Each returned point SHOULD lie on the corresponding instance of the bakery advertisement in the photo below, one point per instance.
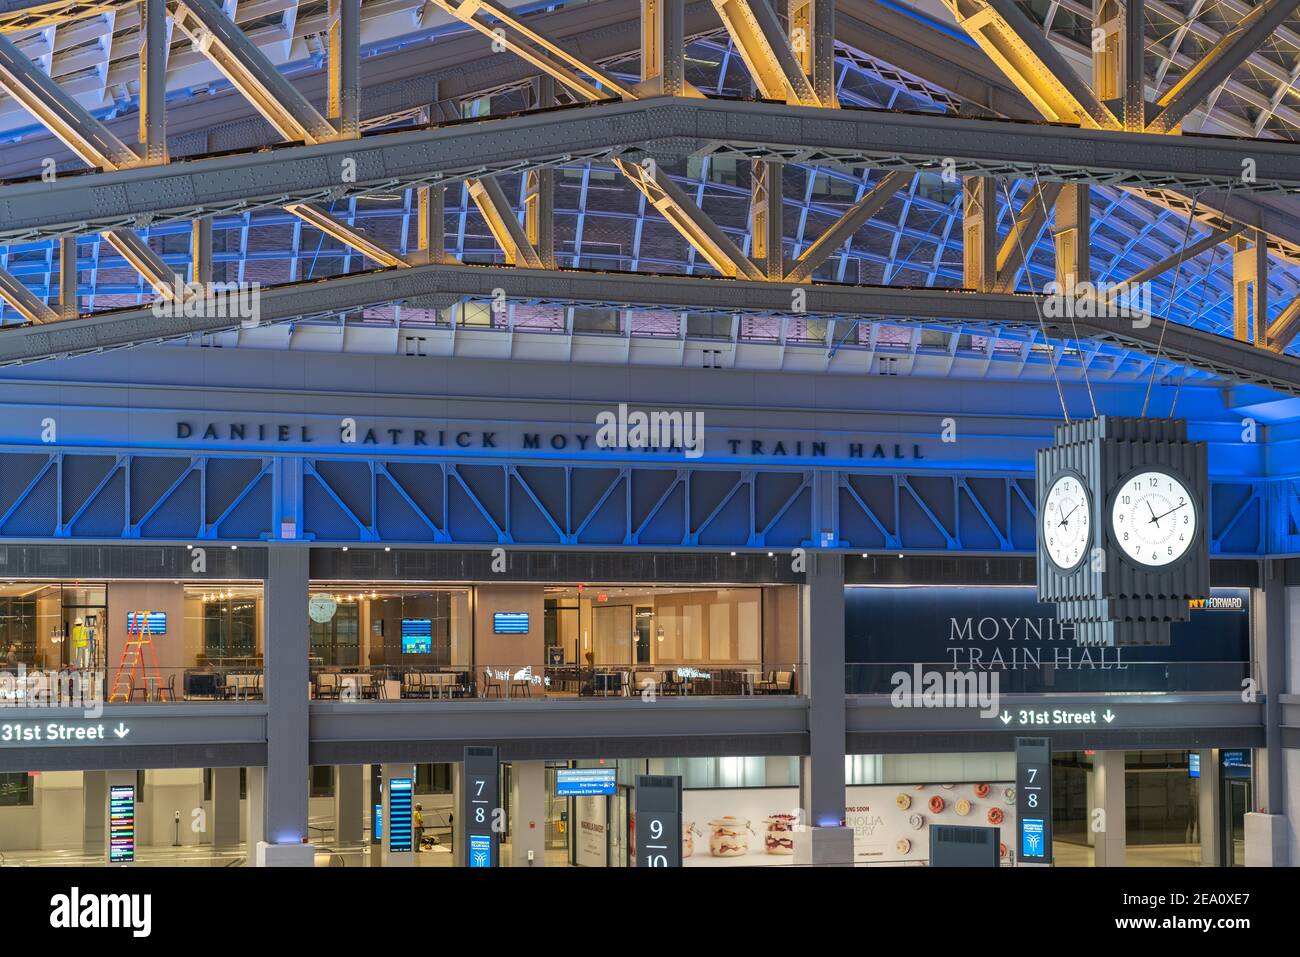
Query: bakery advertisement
(592, 841)
(744, 826)
(891, 821)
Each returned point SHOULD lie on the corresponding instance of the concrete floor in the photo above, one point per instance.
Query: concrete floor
(1143, 855)
(1067, 855)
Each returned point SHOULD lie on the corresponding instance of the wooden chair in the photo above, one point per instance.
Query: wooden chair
(490, 684)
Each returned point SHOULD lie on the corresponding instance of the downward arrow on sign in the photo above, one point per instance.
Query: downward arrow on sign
(1109, 716)
(1006, 717)
(121, 730)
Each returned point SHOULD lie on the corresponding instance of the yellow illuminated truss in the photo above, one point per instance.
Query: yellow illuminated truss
(766, 50)
(346, 235)
(502, 223)
(1030, 61)
(688, 219)
(528, 44)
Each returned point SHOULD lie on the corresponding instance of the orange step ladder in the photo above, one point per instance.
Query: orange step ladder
(138, 638)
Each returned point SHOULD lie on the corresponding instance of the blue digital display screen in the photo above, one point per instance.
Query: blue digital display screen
(510, 623)
(1031, 837)
(417, 636)
(1193, 765)
(121, 825)
(480, 850)
(577, 782)
(155, 622)
(379, 822)
(399, 816)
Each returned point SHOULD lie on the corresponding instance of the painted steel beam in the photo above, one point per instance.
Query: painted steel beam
(21, 300)
(689, 220)
(663, 48)
(346, 235)
(153, 79)
(950, 64)
(1029, 222)
(1195, 249)
(32, 88)
(1212, 353)
(766, 217)
(501, 221)
(545, 54)
(1073, 236)
(201, 249)
(539, 189)
(146, 262)
(1250, 290)
(812, 37)
(460, 65)
(853, 219)
(849, 138)
(68, 305)
(431, 238)
(1213, 68)
(345, 66)
(1028, 58)
(244, 64)
(1284, 327)
(979, 210)
(1117, 73)
(765, 48)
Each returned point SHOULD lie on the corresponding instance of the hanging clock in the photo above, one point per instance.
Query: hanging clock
(1066, 520)
(1145, 484)
(1154, 518)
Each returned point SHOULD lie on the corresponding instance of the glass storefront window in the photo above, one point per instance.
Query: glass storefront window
(16, 790)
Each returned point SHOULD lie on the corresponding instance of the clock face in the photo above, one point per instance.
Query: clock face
(1154, 518)
(1067, 522)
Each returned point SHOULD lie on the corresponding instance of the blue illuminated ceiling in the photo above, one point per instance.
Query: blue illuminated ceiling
(602, 223)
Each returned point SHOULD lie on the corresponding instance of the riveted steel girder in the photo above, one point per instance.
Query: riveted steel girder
(438, 154)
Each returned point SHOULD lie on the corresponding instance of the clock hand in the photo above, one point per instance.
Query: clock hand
(1157, 518)
(1066, 519)
(1153, 515)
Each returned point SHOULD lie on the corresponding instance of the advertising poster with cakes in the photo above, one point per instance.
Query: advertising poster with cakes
(746, 827)
(891, 821)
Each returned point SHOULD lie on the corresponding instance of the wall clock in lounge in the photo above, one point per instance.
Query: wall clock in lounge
(1143, 487)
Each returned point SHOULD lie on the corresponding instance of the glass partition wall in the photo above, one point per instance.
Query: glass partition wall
(129, 641)
(528, 640)
(389, 642)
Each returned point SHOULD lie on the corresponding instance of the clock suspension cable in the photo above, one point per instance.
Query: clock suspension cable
(1074, 330)
(1011, 211)
(1205, 295)
(1173, 292)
